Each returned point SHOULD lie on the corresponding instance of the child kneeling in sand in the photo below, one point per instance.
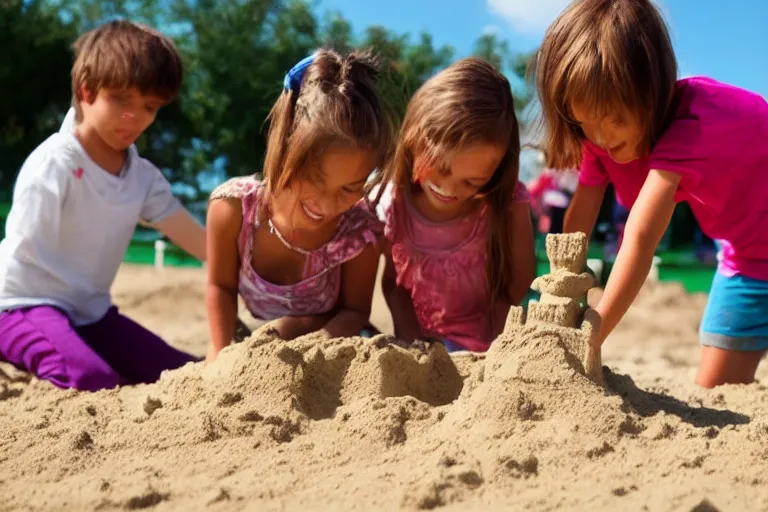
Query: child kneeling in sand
(607, 79)
(77, 200)
(300, 246)
(460, 245)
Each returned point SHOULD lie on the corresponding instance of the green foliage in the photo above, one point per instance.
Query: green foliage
(235, 53)
(34, 80)
(497, 52)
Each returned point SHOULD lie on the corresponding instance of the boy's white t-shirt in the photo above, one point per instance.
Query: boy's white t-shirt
(70, 225)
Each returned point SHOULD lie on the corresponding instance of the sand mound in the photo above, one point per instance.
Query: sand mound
(366, 424)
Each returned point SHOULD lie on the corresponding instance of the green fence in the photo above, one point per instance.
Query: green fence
(4, 209)
(677, 264)
(143, 253)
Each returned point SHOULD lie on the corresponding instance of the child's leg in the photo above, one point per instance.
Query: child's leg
(720, 366)
(734, 331)
(42, 341)
(134, 352)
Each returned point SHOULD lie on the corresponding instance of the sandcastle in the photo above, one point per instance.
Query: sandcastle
(359, 424)
(562, 302)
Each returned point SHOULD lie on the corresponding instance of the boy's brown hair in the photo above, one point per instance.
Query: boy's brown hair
(468, 102)
(604, 55)
(336, 102)
(122, 54)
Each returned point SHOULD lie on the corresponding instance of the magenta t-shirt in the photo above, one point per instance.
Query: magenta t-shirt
(718, 143)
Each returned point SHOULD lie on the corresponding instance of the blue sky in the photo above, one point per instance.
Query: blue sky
(726, 40)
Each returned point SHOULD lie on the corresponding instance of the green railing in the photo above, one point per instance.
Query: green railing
(142, 252)
(677, 264)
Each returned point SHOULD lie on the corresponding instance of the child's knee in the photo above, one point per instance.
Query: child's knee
(727, 366)
(97, 378)
(94, 376)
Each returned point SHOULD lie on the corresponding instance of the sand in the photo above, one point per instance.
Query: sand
(364, 424)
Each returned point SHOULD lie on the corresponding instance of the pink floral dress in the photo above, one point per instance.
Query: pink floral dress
(318, 291)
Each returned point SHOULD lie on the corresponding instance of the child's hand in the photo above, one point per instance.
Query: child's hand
(291, 327)
(418, 344)
(186, 232)
(593, 297)
(211, 355)
(591, 324)
(592, 361)
(409, 334)
(587, 269)
(593, 294)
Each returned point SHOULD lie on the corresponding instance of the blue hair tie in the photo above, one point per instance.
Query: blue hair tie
(292, 79)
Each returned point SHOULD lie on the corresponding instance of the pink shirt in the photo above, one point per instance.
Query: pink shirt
(443, 266)
(318, 291)
(718, 143)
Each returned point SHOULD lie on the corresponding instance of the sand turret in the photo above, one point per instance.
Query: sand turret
(563, 302)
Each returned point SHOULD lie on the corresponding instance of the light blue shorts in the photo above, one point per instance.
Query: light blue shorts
(450, 346)
(736, 317)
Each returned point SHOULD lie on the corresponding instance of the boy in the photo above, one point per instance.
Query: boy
(76, 203)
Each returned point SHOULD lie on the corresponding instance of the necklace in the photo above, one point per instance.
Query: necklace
(286, 243)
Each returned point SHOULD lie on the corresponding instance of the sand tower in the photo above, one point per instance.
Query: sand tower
(562, 305)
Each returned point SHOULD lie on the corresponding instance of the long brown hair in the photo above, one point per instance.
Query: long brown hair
(337, 101)
(468, 102)
(605, 55)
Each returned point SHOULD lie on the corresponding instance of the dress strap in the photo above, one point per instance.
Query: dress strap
(249, 191)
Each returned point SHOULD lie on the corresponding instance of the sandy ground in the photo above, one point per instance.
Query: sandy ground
(360, 424)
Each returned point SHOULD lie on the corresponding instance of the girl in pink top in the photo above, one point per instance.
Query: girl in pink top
(606, 75)
(300, 246)
(458, 228)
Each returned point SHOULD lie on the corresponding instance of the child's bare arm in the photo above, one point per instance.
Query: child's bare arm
(523, 261)
(399, 301)
(358, 279)
(647, 222)
(184, 230)
(162, 211)
(524, 257)
(290, 327)
(224, 221)
(584, 208)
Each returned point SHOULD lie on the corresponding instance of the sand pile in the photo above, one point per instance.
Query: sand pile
(365, 424)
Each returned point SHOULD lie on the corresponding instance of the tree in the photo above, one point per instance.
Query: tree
(226, 100)
(235, 53)
(404, 67)
(34, 80)
(497, 52)
(337, 32)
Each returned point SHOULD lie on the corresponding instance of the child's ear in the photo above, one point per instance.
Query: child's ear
(85, 94)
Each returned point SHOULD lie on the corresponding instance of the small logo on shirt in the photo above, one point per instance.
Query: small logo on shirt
(78, 172)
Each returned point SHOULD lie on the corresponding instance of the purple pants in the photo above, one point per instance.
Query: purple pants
(113, 351)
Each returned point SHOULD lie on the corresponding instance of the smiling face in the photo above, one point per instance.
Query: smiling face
(450, 184)
(337, 179)
(620, 133)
